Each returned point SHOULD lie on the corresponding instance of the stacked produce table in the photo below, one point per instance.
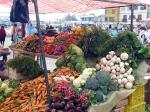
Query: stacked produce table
(77, 86)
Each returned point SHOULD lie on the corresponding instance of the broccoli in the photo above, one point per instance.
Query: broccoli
(104, 89)
(113, 86)
(103, 78)
(100, 96)
(92, 84)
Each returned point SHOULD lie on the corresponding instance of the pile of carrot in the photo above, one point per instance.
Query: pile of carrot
(30, 96)
(66, 71)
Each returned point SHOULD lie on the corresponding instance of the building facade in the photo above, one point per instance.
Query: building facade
(140, 12)
(112, 15)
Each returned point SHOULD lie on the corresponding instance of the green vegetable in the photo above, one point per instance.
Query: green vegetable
(92, 41)
(100, 97)
(92, 98)
(103, 78)
(26, 66)
(92, 84)
(72, 58)
(60, 62)
(74, 50)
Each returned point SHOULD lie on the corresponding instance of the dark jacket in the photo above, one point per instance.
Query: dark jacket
(19, 11)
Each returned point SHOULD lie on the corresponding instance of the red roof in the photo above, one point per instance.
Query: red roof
(48, 6)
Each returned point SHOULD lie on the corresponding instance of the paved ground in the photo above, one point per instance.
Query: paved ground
(49, 61)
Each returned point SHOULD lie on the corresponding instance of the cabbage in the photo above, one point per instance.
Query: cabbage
(4, 86)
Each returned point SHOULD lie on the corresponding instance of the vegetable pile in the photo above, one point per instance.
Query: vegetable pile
(119, 69)
(100, 83)
(32, 96)
(29, 96)
(30, 37)
(65, 74)
(92, 41)
(81, 80)
(73, 58)
(129, 43)
(69, 100)
(26, 66)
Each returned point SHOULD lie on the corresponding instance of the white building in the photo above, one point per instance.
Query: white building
(140, 13)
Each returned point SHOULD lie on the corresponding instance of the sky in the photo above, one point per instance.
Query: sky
(52, 16)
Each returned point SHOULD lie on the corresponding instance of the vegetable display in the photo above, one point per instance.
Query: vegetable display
(29, 96)
(129, 43)
(69, 101)
(92, 41)
(73, 58)
(65, 74)
(119, 69)
(81, 80)
(26, 66)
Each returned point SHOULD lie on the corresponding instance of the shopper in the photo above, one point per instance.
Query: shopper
(2, 35)
(144, 36)
(15, 33)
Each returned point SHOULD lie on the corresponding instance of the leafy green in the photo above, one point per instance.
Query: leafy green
(26, 66)
(92, 41)
(92, 99)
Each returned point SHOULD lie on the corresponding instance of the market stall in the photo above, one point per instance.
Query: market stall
(76, 85)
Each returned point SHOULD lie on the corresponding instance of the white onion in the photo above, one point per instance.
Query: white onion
(124, 80)
(122, 70)
(119, 81)
(113, 71)
(128, 85)
(112, 53)
(113, 68)
(113, 77)
(118, 60)
(125, 74)
(130, 78)
(120, 76)
(98, 67)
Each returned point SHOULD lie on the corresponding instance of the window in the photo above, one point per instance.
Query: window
(142, 7)
(113, 11)
(122, 8)
(135, 7)
(106, 19)
(133, 17)
(106, 11)
(111, 19)
(139, 17)
(124, 18)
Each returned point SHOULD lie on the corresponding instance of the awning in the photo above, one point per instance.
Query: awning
(74, 6)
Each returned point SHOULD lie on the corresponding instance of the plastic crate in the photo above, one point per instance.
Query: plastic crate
(136, 108)
(138, 96)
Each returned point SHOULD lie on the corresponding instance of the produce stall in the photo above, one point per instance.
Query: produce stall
(53, 46)
(77, 86)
